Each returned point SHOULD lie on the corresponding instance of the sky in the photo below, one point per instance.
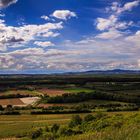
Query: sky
(51, 36)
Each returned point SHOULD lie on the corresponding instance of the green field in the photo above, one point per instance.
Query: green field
(77, 90)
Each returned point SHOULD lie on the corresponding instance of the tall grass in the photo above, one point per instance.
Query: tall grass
(128, 133)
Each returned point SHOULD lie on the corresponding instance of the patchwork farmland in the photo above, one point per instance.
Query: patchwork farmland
(32, 107)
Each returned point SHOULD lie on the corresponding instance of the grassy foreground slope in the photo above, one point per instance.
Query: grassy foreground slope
(117, 127)
(108, 126)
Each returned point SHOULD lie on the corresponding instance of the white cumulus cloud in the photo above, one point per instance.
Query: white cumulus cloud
(63, 14)
(111, 34)
(11, 36)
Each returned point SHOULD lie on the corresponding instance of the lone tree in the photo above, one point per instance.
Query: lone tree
(1, 108)
(9, 108)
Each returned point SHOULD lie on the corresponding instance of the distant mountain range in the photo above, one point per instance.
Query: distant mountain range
(115, 71)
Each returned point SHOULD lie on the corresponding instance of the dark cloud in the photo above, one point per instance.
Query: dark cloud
(11, 40)
(15, 40)
(5, 3)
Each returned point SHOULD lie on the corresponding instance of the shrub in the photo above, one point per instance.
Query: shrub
(47, 129)
(64, 131)
(89, 118)
(55, 128)
(76, 120)
(35, 134)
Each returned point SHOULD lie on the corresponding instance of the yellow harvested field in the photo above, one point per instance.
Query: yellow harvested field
(29, 100)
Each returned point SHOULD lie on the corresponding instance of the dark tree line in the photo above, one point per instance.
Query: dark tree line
(80, 97)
